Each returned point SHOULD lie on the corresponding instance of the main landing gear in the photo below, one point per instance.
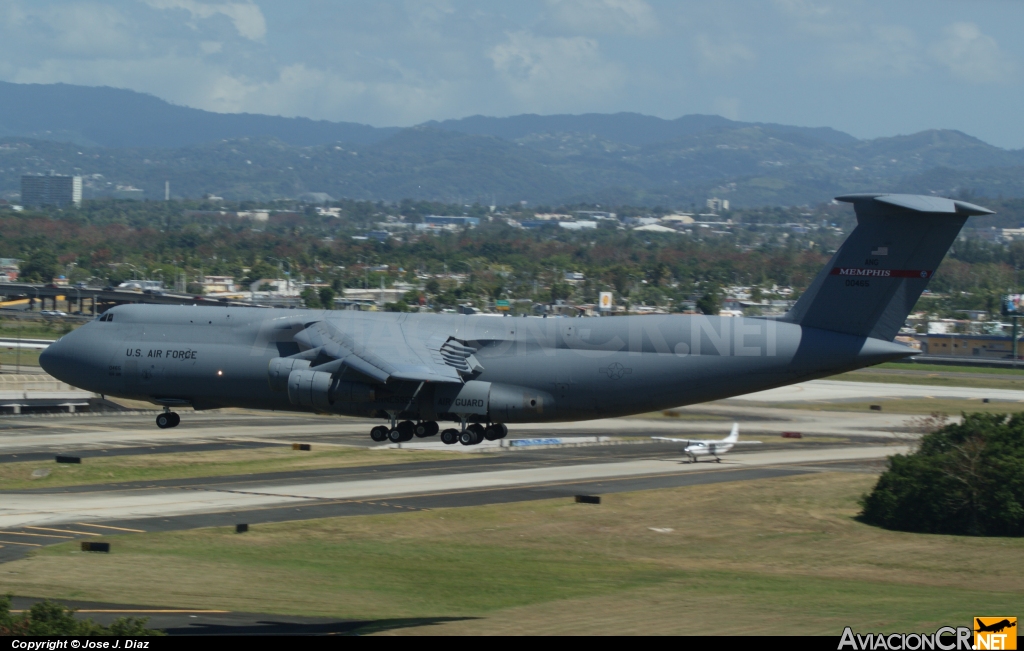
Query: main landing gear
(407, 429)
(167, 420)
(477, 433)
(404, 431)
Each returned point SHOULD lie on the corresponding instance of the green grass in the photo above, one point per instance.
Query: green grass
(939, 368)
(11, 357)
(36, 329)
(934, 379)
(784, 555)
(898, 406)
(151, 467)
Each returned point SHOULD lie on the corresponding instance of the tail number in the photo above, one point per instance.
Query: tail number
(858, 283)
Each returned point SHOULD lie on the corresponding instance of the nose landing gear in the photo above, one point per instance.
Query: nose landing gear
(167, 420)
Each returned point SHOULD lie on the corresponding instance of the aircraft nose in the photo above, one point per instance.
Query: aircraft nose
(48, 359)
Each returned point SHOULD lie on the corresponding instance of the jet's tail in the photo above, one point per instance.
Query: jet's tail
(875, 278)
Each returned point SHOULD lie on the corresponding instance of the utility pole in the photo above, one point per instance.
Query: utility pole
(17, 363)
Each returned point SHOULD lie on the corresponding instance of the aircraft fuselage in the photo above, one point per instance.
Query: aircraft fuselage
(568, 368)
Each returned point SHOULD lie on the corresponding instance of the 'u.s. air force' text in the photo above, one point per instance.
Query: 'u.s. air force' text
(159, 353)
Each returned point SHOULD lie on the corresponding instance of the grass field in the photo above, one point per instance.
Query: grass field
(11, 357)
(938, 376)
(910, 406)
(104, 470)
(780, 556)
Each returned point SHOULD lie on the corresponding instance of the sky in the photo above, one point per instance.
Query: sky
(878, 68)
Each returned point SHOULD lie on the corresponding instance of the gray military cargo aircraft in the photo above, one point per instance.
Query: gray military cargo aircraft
(481, 373)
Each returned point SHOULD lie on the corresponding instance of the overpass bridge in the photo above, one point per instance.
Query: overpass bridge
(93, 301)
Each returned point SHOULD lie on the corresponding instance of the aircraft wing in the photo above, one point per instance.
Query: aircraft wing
(385, 353)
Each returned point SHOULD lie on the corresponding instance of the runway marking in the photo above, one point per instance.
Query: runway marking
(225, 490)
(81, 533)
(11, 542)
(101, 526)
(35, 535)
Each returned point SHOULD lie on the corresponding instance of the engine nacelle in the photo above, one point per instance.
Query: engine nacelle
(501, 403)
(281, 368)
(514, 404)
(311, 388)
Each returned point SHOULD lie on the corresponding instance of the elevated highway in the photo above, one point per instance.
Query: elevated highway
(90, 301)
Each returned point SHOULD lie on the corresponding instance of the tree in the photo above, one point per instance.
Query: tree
(710, 303)
(326, 298)
(965, 478)
(310, 298)
(47, 618)
(40, 267)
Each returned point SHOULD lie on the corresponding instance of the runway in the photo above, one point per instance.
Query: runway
(105, 504)
(472, 476)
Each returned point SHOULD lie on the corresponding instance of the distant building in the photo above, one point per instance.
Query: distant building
(992, 346)
(655, 228)
(578, 225)
(276, 285)
(682, 218)
(596, 214)
(218, 284)
(441, 220)
(315, 197)
(718, 205)
(9, 270)
(129, 192)
(51, 190)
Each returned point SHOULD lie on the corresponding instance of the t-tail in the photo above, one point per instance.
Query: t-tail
(873, 281)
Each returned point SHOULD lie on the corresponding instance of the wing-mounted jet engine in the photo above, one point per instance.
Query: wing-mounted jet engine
(405, 381)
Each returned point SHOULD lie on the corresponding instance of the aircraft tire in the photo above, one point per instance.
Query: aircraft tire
(473, 435)
(450, 436)
(427, 428)
(495, 432)
(175, 419)
(379, 434)
(400, 434)
(163, 421)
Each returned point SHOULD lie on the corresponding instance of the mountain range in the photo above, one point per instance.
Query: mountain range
(115, 137)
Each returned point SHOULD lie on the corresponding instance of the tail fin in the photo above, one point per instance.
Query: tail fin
(734, 435)
(875, 278)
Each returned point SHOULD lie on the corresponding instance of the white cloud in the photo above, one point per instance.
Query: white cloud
(246, 16)
(83, 29)
(888, 51)
(717, 55)
(560, 71)
(971, 55)
(631, 17)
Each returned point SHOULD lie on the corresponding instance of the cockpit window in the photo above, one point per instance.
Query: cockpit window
(107, 317)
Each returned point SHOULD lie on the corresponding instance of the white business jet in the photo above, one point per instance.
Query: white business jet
(701, 447)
